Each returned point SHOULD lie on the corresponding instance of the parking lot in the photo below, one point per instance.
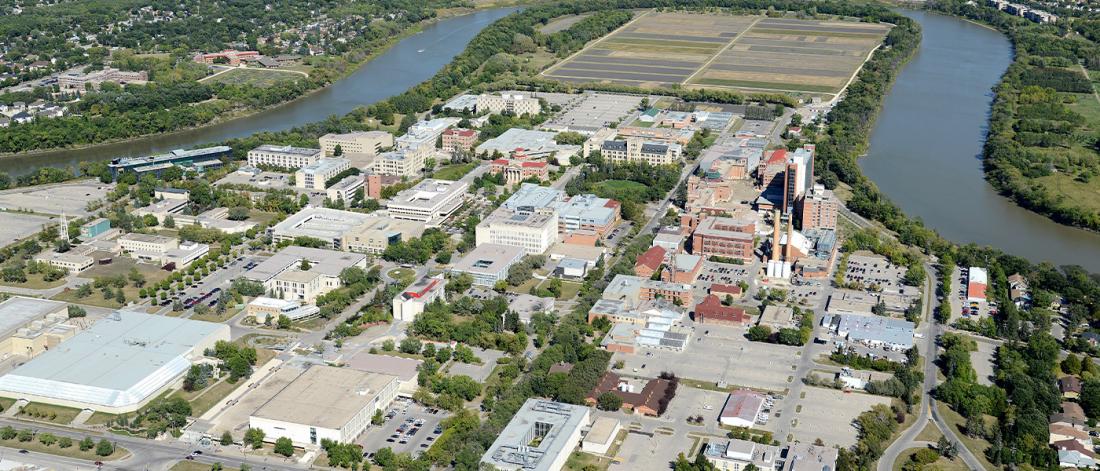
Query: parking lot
(961, 308)
(18, 226)
(592, 111)
(645, 452)
(982, 360)
(409, 428)
(478, 372)
(724, 273)
(68, 198)
(757, 127)
(828, 414)
(732, 359)
(869, 269)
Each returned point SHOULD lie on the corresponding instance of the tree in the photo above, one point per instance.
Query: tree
(227, 438)
(378, 418)
(64, 442)
(104, 448)
(284, 446)
(759, 333)
(609, 401)
(25, 435)
(338, 150)
(254, 437)
(47, 438)
(410, 345)
(169, 222)
(76, 311)
(947, 448)
(387, 346)
(1071, 365)
(87, 444)
(284, 322)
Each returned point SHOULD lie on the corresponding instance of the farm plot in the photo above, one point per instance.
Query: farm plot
(656, 49)
(261, 78)
(793, 55)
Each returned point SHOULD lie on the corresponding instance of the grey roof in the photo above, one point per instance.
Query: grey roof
(119, 361)
(614, 145)
(321, 223)
(532, 196)
(489, 258)
(538, 433)
(405, 369)
(324, 262)
(653, 148)
(18, 311)
(325, 396)
(882, 329)
(287, 150)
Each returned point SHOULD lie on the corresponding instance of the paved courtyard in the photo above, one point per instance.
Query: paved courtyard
(18, 226)
(68, 198)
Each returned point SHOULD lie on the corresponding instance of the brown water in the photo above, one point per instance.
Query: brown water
(409, 62)
(926, 148)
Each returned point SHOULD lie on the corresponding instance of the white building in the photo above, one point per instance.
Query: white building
(356, 143)
(264, 309)
(117, 365)
(639, 150)
(430, 201)
(514, 103)
(71, 261)
(345, 189)
(421, 137)
(283, 156)
(489, 263)
(742, 408)
(535, 231)
(286, 277)
(147, 246)
(736, 455)
(314, 176)
(411, 302)
(540, 437)
(601, 436)
(324, 402)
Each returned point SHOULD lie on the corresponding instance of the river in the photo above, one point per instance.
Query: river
(409, 62)
(925, 151)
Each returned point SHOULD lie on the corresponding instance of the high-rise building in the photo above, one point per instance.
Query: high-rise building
(819, 209)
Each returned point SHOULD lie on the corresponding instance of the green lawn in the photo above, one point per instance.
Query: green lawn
(453, 172)
(35, 281)
(6, 403)
(402, 274)
(622, 190)
(204, 400)
(977, 446)
(569, 290)
(71, 452)
(943, 464)
(49, 413)
(526, 286)
(262, 78)
(100, 418)
(120, 266)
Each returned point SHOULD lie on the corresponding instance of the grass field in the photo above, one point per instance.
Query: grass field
(70, 452)
(100, 418)
(204, 400)
(256, 77)
(943, 464)
(977, 446)
(453, 172)
(49, 413)
(35, 281)
(1072, 160)
(726, 51)
(620, 190)
(120, 267)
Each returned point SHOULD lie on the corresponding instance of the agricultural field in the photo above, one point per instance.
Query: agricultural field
(736, 52)
(794, 55)
(262, 78)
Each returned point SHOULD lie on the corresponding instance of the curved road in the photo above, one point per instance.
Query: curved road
(927, 411)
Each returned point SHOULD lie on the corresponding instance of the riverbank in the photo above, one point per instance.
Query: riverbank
(442, 15)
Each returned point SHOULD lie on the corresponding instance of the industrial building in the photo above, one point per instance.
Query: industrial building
(283, 156)
(285, 277)
(315, 176)
(533, 144)
(535, 231)
(724, 237)
(406, 370)
(346, 230)
(117, 365)
(411, 302)
(324, 402)
(364, 143)
(657, 330)
(198, 160)
(489, 263)
(540, 437)
(30, 326)
(873, 331)
(430, 201)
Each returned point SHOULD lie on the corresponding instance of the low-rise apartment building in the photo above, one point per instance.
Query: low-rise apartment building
(513, 103)
(637, 150)
(283, 156)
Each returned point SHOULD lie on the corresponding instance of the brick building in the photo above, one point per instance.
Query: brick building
(724, 237)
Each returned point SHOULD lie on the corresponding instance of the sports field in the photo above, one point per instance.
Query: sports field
(726, 51)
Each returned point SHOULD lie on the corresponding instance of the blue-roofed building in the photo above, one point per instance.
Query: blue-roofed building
(199, 160)
(94, 228)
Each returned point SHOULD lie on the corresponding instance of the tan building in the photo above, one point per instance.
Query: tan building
(30, 326)
(147, 246)
(360, 143)
(535, 232)
(514, 103)
(377, 233)
(400, 163)
(638, 150)
(71, 261)
(285, 276)
(316, 175)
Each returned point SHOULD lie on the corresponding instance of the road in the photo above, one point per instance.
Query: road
(927, 410)
(146, 454)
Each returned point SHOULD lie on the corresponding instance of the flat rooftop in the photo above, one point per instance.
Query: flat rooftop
(538, 433)
(405, 369)
(321, 223)
(489, 258)
(287, 150)
(324, 262)
(120, 360)
(324, 396)
(530, 195)
(428, 194)
(17, 311)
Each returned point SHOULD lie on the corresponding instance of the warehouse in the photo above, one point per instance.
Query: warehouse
(324, 402)
(118, 365)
